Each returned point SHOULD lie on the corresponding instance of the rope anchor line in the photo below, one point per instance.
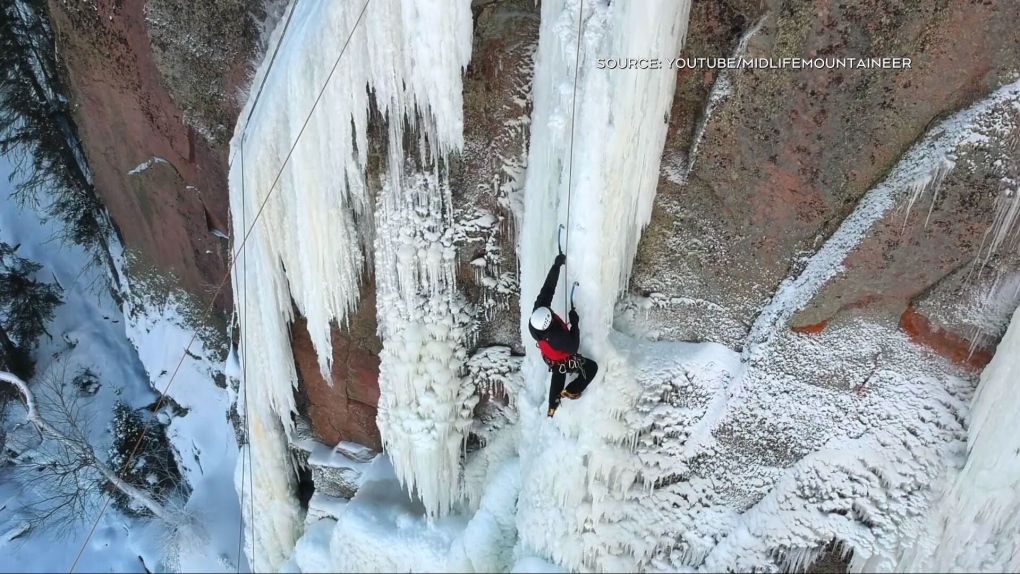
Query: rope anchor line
(570, 160)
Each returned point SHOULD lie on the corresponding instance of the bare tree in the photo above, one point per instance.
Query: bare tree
(66, 472)
(69, 476)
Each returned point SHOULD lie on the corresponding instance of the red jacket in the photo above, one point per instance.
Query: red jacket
(558, 342)
(550, 352)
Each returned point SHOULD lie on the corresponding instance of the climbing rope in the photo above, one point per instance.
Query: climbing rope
(244, 335)
(570, 159)
(226, 275)
(244, 374)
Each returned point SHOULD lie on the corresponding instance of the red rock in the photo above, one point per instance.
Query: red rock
(360, 426)
(949, 345)
(811, 329)
(344, 410)
(125, 117)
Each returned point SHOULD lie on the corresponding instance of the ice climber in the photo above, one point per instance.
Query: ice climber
(559, 343)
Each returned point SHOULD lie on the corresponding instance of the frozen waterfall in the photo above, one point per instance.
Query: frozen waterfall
(575, 473)
(314, 235)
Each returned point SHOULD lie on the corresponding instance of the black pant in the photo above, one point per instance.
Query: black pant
(585, 371)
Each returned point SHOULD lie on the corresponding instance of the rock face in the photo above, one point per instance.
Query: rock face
(333, 471)
(486, 179)
(683, 249)
(935, 259)
(163, 182)
(203, 68)
(786, 155)
(346, 409)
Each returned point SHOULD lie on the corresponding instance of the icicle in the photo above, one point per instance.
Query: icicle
(309, 247)
(1007, 212)
(933, 182)
(424, 405)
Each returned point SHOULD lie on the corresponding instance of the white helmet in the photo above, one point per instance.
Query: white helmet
(541, 318)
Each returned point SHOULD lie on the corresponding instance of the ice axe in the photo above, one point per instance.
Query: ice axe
(559, 238)
(572, 287)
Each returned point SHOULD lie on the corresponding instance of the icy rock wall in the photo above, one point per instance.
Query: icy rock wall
(309, 248)
(574, 472)
(913, 423)
(920, 171)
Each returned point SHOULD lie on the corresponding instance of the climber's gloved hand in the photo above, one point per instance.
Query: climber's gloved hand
(572, 315)
(561, 259)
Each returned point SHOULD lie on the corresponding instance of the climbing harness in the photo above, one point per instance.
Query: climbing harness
(568, 365)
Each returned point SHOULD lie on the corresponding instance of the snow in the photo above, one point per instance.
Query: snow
(311, 554)
(172, 347)
(131, 350)
(324, 506)
(89, 331)
(91, 321)
(383, 530)
(14, 533)
(866, 493)
(147, 164)
(700, 480)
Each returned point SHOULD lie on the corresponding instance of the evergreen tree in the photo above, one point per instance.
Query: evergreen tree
(26, 306)
(153, 468)
(37, 129)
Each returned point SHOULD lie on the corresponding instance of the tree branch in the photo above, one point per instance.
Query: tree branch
(84, 452)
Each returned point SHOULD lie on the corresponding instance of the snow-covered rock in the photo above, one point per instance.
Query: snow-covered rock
(336, 472)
